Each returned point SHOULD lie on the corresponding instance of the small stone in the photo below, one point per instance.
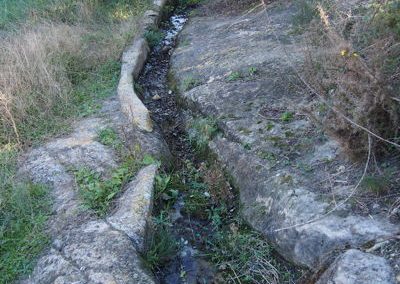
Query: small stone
(398, 278)
(169, 92)
(156, 98)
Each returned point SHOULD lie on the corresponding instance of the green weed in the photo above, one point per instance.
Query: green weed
(153, 37)
(161, 247)
(378, 184)
(252, 71)
(163, 189)
(242, 254)
(109, 137)
(24, 210)
(200, 132)
(97, 193)
(287, 116)
(190, 83)
(306, 12)
(234, 76)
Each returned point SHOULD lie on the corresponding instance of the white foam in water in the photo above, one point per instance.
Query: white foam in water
(177, 22)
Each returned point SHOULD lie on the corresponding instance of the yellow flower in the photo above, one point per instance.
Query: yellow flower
(355, 54)
(343, 52)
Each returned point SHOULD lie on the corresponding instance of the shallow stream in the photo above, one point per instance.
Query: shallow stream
(194, 235)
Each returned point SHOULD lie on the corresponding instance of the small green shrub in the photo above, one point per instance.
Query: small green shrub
(287, 116)
(200, 132)
(306, 12)
(378, 184)
(388, 16)
(109, 137)
(252, 71)
(97, 193)
(244, 255)
(197, 200)
(163, 189)
(234, 76)
(154, 37)
(190, 83)
(162, 246)
(352, 63)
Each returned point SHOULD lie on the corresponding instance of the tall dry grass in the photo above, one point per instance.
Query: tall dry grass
(43, 59)
(30, 81)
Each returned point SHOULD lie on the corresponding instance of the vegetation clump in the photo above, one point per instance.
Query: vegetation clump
(200, 132)
(97, 193)
(353, 67)
(24, 210)
(153, 37)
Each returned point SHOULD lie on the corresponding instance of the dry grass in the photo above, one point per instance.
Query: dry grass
(60, 45)
(29, 79)
(352, 62)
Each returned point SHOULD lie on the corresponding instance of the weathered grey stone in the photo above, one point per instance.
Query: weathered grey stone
(134, 207)
(160, 3)
(91, 253)
(271, 204)
(54, 268)
(356, 267)
(133, 60)
(86, 250)
(150, 19)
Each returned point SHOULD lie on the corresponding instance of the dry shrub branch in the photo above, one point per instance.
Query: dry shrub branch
(352, 62)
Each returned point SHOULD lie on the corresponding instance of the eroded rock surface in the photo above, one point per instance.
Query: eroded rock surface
(356, 267)
(238, 70)
(86, 249)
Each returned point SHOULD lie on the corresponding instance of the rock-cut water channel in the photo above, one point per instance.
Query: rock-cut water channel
(191, 263)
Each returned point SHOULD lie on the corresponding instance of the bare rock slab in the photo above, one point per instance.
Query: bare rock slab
(91, 253)
(356, 267)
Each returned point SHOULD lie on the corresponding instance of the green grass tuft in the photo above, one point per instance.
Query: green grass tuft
(201, 131)
(24, 210)
(153, 37)
(98, 193)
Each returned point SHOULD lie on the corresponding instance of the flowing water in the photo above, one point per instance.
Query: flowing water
(189, 265)
(195, 235)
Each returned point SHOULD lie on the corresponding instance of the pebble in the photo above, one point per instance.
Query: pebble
(156, 98)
